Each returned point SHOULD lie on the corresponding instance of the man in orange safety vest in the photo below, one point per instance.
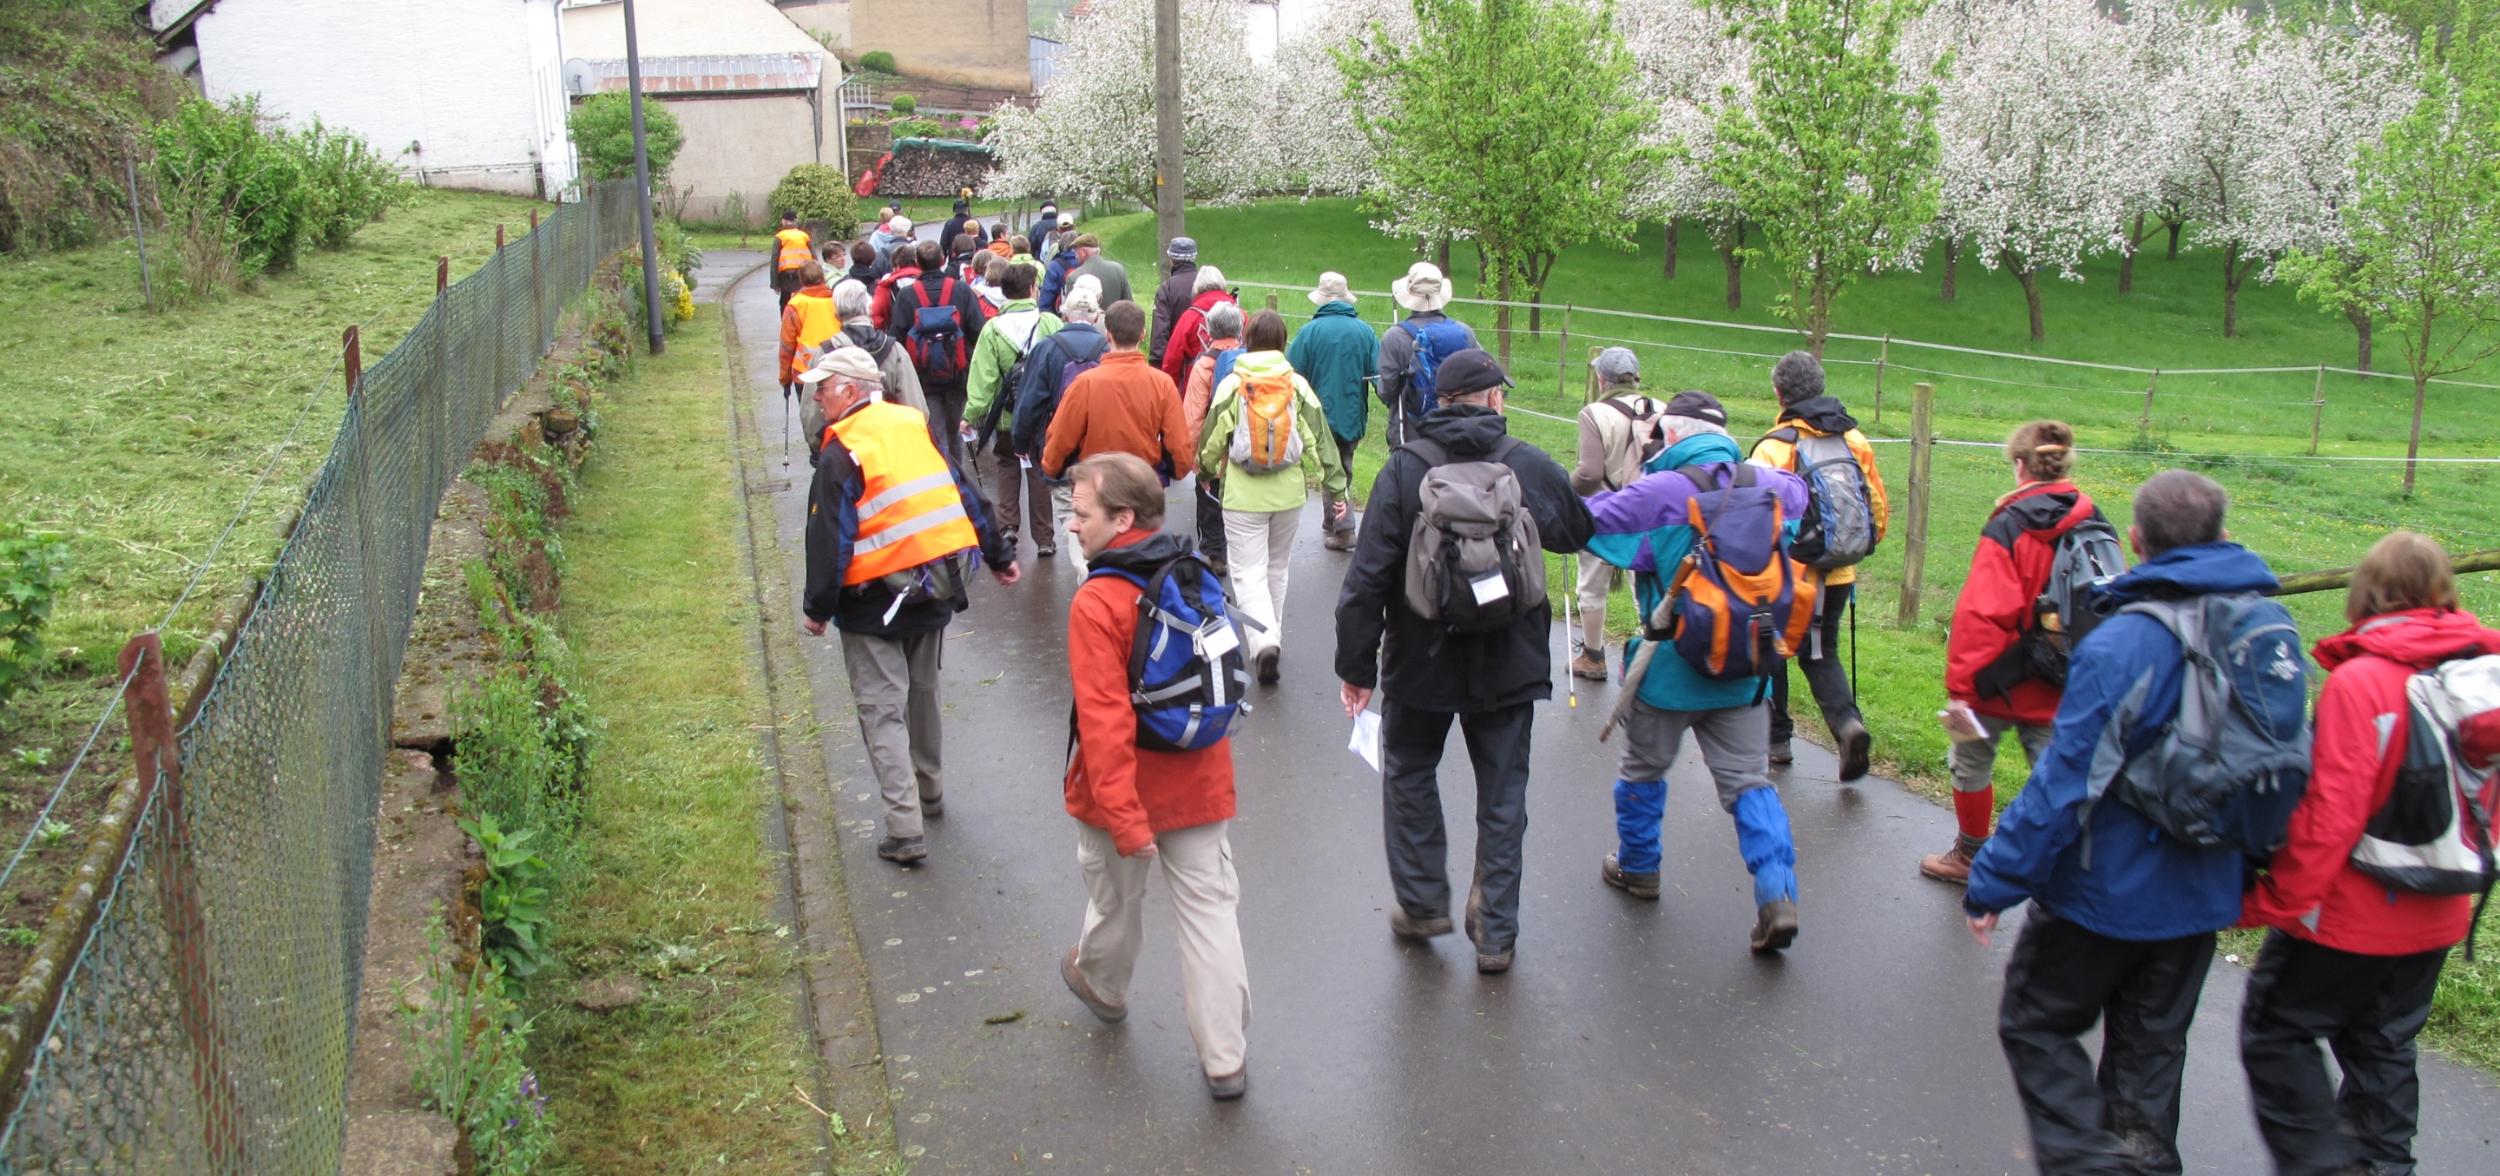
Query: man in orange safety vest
(791, 249)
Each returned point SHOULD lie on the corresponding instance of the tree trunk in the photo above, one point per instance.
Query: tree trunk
(1729, 240)
(1669, 253)
(2413, 445)
(1501, 314)
(1441, 257)
(2126, 258)
(2231, 290)
(2028, 274)
(2174, 226)
(1818, 315)
(1952, 267)
(2360, 319)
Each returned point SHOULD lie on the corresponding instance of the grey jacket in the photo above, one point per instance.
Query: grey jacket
(1112, 275)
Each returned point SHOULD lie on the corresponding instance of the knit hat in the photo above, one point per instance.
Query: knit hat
(1181, 249)
(1423, 288)
(1468, 372)
(1617, 365)
(848, 362)
(1331, 288)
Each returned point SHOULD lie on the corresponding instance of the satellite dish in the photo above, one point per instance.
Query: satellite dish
(578, 77)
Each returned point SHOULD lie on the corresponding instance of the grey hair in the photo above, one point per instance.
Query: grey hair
(1209, 278)
(1224, 321)
(850, 299)
(2179, 508)
(1797, 376)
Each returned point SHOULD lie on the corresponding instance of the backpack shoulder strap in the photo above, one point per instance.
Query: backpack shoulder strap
(1429, 450)
(945, 293)
(1785, 434)
(1501, 453)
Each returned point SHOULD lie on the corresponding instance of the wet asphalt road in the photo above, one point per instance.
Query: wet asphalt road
(1631, 1038)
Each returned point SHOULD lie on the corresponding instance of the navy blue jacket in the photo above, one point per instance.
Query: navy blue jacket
(2126, 879)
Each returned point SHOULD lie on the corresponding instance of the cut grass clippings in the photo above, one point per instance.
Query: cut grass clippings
(2300, 515)
(679, 889)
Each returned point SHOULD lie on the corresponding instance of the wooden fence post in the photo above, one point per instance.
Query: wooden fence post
(443, 384)
(1562, 355)
(1914, 542)
(2317, 409)
(1883, 355)
(538, 291)
(2144, 421)
(1271, 300)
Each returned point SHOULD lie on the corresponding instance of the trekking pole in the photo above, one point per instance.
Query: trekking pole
(785, 424)
(1571, 674)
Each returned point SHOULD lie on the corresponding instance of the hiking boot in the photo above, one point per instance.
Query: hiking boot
(1418, 930)
(1775, 926)
(903, 851)
(1227, 1087)
(1103, 1010)
(1953, 865)
(1636, 885)
(1850, 733)
(1044, 550)
(1489, 963)
(1267, 665)
(1008, 535)
(1590, 666)
(934, 806)
(1780, 756)
(1339, 541)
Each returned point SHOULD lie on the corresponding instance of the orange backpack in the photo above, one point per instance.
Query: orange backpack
(1264, 439)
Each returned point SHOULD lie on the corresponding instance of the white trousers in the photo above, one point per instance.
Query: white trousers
(1197, 863)
(1258, 551)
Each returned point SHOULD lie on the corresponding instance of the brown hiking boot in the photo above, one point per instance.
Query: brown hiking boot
(1414, 928)
(1339, 541)
(1590, 666)
(1641, 885)
(1953, 865)
(1774, 926)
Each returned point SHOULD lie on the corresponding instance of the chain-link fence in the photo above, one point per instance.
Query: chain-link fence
(205, 1022)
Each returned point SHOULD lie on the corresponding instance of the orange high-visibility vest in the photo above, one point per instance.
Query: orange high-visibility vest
(817, 323)
(909, 510)
(794, 249)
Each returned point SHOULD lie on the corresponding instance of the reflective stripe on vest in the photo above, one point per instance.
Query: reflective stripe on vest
(910, 512)
(817, 323)
(794, 245)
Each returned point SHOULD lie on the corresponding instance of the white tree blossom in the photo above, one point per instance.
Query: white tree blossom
(1693, 70)
(2044, 137)
(1091, 133)
(1312, 134)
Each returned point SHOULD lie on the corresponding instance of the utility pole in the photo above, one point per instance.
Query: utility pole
(642, 189)
(1169, 219)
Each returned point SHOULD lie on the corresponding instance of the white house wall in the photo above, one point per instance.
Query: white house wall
(460, 93)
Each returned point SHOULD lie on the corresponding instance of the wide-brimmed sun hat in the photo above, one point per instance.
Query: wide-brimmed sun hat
(1423, 288)
(1331, 288)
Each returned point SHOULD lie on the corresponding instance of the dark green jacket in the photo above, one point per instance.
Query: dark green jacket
(1336, 351)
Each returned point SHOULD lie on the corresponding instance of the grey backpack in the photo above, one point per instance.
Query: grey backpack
(1838, 528)
(1473, 561)
(2086, 556)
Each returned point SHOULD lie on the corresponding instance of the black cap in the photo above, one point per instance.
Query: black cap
(1698, 405)
(1468, 372)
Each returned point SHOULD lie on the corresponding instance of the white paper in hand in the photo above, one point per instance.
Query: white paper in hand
(1490, 589)
(1366, 740)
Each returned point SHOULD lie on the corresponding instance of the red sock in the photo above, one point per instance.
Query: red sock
(1973, 810)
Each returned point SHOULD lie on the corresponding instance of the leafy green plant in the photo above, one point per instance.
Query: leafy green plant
(877, 61)
(512, 901)
(21, 936)
(905, 104)
(52, 833)
(230, 181)
(918, 128)
(30, 572)
(818, 192)
(466, 1039)
(603, 131)
(348, 185)
(506, 765)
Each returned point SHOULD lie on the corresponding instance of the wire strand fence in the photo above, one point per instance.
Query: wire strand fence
(193, 1004)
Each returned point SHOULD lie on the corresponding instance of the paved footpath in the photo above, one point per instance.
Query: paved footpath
(1632, 1037)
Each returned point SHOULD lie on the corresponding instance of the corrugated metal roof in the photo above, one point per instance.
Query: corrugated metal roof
(714, 73)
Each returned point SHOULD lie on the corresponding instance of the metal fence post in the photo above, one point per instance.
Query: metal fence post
(1914, 543)
(2317, 409)
(1883, 355)
(502, 319)
(139, 232)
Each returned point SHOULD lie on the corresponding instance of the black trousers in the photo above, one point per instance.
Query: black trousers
(1827, 673)
(2124, 1119)
(1210, 495)
(2368, 1009)
(1419, 845)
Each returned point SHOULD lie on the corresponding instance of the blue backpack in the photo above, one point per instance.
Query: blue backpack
(1434, 341)
(936, 337)
(2230, 767)
(1186, 675)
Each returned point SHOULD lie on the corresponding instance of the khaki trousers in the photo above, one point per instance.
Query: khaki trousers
(1258, 546)
(1197, 863)
(894, 685)
(1597, 579)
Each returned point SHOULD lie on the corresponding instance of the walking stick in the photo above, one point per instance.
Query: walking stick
(1571, 674)
(785, 424)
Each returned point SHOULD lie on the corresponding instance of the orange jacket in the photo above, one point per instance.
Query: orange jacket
(807, 321)
(1112, 784)
(1123, 406)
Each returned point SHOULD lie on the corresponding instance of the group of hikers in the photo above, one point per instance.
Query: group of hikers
(2179, 784)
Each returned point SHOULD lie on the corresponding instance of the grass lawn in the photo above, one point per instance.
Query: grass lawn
(2300, 515)
(678, 888)
(134, 435)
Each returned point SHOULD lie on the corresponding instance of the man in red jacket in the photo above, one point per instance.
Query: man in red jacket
(1985, 669)
(1136, 806)
(2353, 959)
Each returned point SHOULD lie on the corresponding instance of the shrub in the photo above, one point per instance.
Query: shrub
(230, 184)
(30, 568)
(348, 184)
(818, 192)
(919, 128)
(877, 61)
(465, 1042)
(603, 131)
(81, 86)
(905, 104)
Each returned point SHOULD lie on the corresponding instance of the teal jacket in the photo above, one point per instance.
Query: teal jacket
(1338, 353)
(1642, 528)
